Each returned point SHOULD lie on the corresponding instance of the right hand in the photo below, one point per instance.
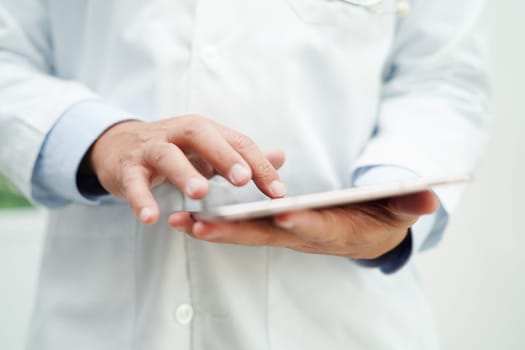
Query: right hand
(132, 157)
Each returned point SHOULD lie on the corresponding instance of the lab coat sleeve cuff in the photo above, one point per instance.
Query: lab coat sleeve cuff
(54, 179)
(425, 233)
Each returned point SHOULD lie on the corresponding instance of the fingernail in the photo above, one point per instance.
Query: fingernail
(239, 173)
(277, 188)
(145, 214)
(194, 185)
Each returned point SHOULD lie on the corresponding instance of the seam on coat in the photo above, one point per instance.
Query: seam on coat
(192, 340)
(137, 234)
(268, 254)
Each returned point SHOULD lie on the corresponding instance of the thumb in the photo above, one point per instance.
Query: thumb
(415, 204)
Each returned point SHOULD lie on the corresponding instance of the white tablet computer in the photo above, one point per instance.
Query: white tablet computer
(270, 207)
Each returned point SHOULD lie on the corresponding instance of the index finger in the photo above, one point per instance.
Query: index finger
(264, 174)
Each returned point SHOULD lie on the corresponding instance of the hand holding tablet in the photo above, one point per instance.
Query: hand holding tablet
(334, 226)
(271, 207)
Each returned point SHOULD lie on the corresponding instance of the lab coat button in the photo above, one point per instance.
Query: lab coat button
(210, 53)
(184, 314)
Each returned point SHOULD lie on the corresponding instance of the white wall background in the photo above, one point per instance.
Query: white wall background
(475, 279)
(21, 238)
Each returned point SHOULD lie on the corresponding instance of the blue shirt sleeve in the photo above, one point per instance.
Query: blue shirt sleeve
(425, 233)
(54, 179)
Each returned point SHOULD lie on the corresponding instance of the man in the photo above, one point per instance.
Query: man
(116, 114)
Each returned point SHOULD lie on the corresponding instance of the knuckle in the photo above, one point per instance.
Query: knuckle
(190, 130)
(159, 152)
(193, 125)
(160, 134)
(242, 142)
(263, 170)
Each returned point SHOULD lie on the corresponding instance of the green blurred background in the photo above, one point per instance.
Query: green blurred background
(9, 196)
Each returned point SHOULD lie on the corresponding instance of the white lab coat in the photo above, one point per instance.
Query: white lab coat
(334, 86)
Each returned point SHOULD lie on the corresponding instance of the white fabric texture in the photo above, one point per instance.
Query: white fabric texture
(334, 86)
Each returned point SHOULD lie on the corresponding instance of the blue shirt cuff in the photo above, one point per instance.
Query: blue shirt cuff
(54, 178)
(393, 260)
(425, 233)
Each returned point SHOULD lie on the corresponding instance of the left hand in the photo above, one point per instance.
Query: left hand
(360, 231)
